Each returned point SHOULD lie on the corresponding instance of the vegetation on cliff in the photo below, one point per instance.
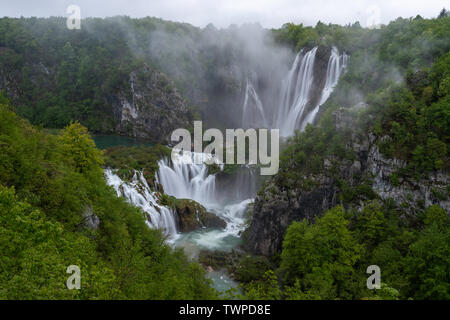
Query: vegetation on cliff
(401, 73)
(327, 259)
(49, 186)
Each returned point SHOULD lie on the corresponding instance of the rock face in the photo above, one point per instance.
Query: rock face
(151, 109)
(192, 216)
(148, 106)
(90, 220)
(425, 192)
(275, 208)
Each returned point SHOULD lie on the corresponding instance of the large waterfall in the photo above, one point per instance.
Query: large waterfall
(183, 178)
(293, 109)
(295, 93)
(138, 192)
(336, 66)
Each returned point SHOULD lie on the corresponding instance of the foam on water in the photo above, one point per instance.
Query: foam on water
(138, 193)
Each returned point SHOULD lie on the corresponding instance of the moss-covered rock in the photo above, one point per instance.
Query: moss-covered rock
(129, 159)
(193, 215)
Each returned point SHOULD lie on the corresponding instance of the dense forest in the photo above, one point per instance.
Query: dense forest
(56, 209)
(407, 117)
(52, 185)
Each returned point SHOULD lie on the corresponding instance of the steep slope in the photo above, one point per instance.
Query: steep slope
(349, 176)
(56, 210)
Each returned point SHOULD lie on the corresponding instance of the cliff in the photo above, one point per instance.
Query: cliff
(369, 174)
(151, 107)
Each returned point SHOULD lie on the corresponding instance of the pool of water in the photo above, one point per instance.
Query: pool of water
(221, 281)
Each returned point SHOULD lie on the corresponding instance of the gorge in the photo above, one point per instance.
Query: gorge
(186, 177)
(88, 173)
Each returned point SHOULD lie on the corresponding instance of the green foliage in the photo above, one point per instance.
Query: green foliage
(322, 256)
(265, 289)
(328, 259)
(48, 186)
(306, 152)
(128, 159)
(251, 268)
(63, 75)
(428, 263)
(78, 148)
(436, 214)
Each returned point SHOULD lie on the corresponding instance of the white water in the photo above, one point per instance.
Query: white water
(139, 193)
(291, 110)
(295, 94)
(185, 179)
(336, 66)
(253, 115)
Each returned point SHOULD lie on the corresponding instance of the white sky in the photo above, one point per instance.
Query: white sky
(269, 13)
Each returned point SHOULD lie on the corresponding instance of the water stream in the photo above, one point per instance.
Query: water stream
(184, 178)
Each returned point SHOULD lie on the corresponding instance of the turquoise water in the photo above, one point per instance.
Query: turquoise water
(221, 281)
(108, 141)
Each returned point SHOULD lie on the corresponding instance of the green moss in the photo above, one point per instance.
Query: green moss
(128, 159)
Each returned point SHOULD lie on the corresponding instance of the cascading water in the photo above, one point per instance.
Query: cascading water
(295, 95)
(138, 193)
(183, 178)
(336, 66)
(253, 115)
(290, 113)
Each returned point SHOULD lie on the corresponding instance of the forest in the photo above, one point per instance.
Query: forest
(55, 92)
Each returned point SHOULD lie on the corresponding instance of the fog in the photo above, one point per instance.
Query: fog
(269, 13)
(212, 66)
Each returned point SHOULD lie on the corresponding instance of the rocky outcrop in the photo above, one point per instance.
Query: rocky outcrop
(410, 193)
(192, 216)
(276, 208)
(150, 108)
(90, 220)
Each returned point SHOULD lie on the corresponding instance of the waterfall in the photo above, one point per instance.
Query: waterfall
(336, 66)
(253, 115)
(138, 193)
(300, 79)
(184, 179)
(295, 95)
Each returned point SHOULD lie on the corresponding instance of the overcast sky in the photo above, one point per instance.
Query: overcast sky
(269, 13)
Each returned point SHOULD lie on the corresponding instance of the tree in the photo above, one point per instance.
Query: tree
(428, 264)
(443, 13)
(79, 149)
(322, 256)
(265, 289)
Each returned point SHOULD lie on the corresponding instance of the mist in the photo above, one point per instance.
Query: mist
(270, 14)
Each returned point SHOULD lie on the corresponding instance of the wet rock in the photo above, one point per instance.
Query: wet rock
(192, 215)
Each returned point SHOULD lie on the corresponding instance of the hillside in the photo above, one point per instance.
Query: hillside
(56, 210)
(364, 165)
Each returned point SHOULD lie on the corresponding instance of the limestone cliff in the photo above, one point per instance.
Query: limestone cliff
(150, 108)
(276, 207)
